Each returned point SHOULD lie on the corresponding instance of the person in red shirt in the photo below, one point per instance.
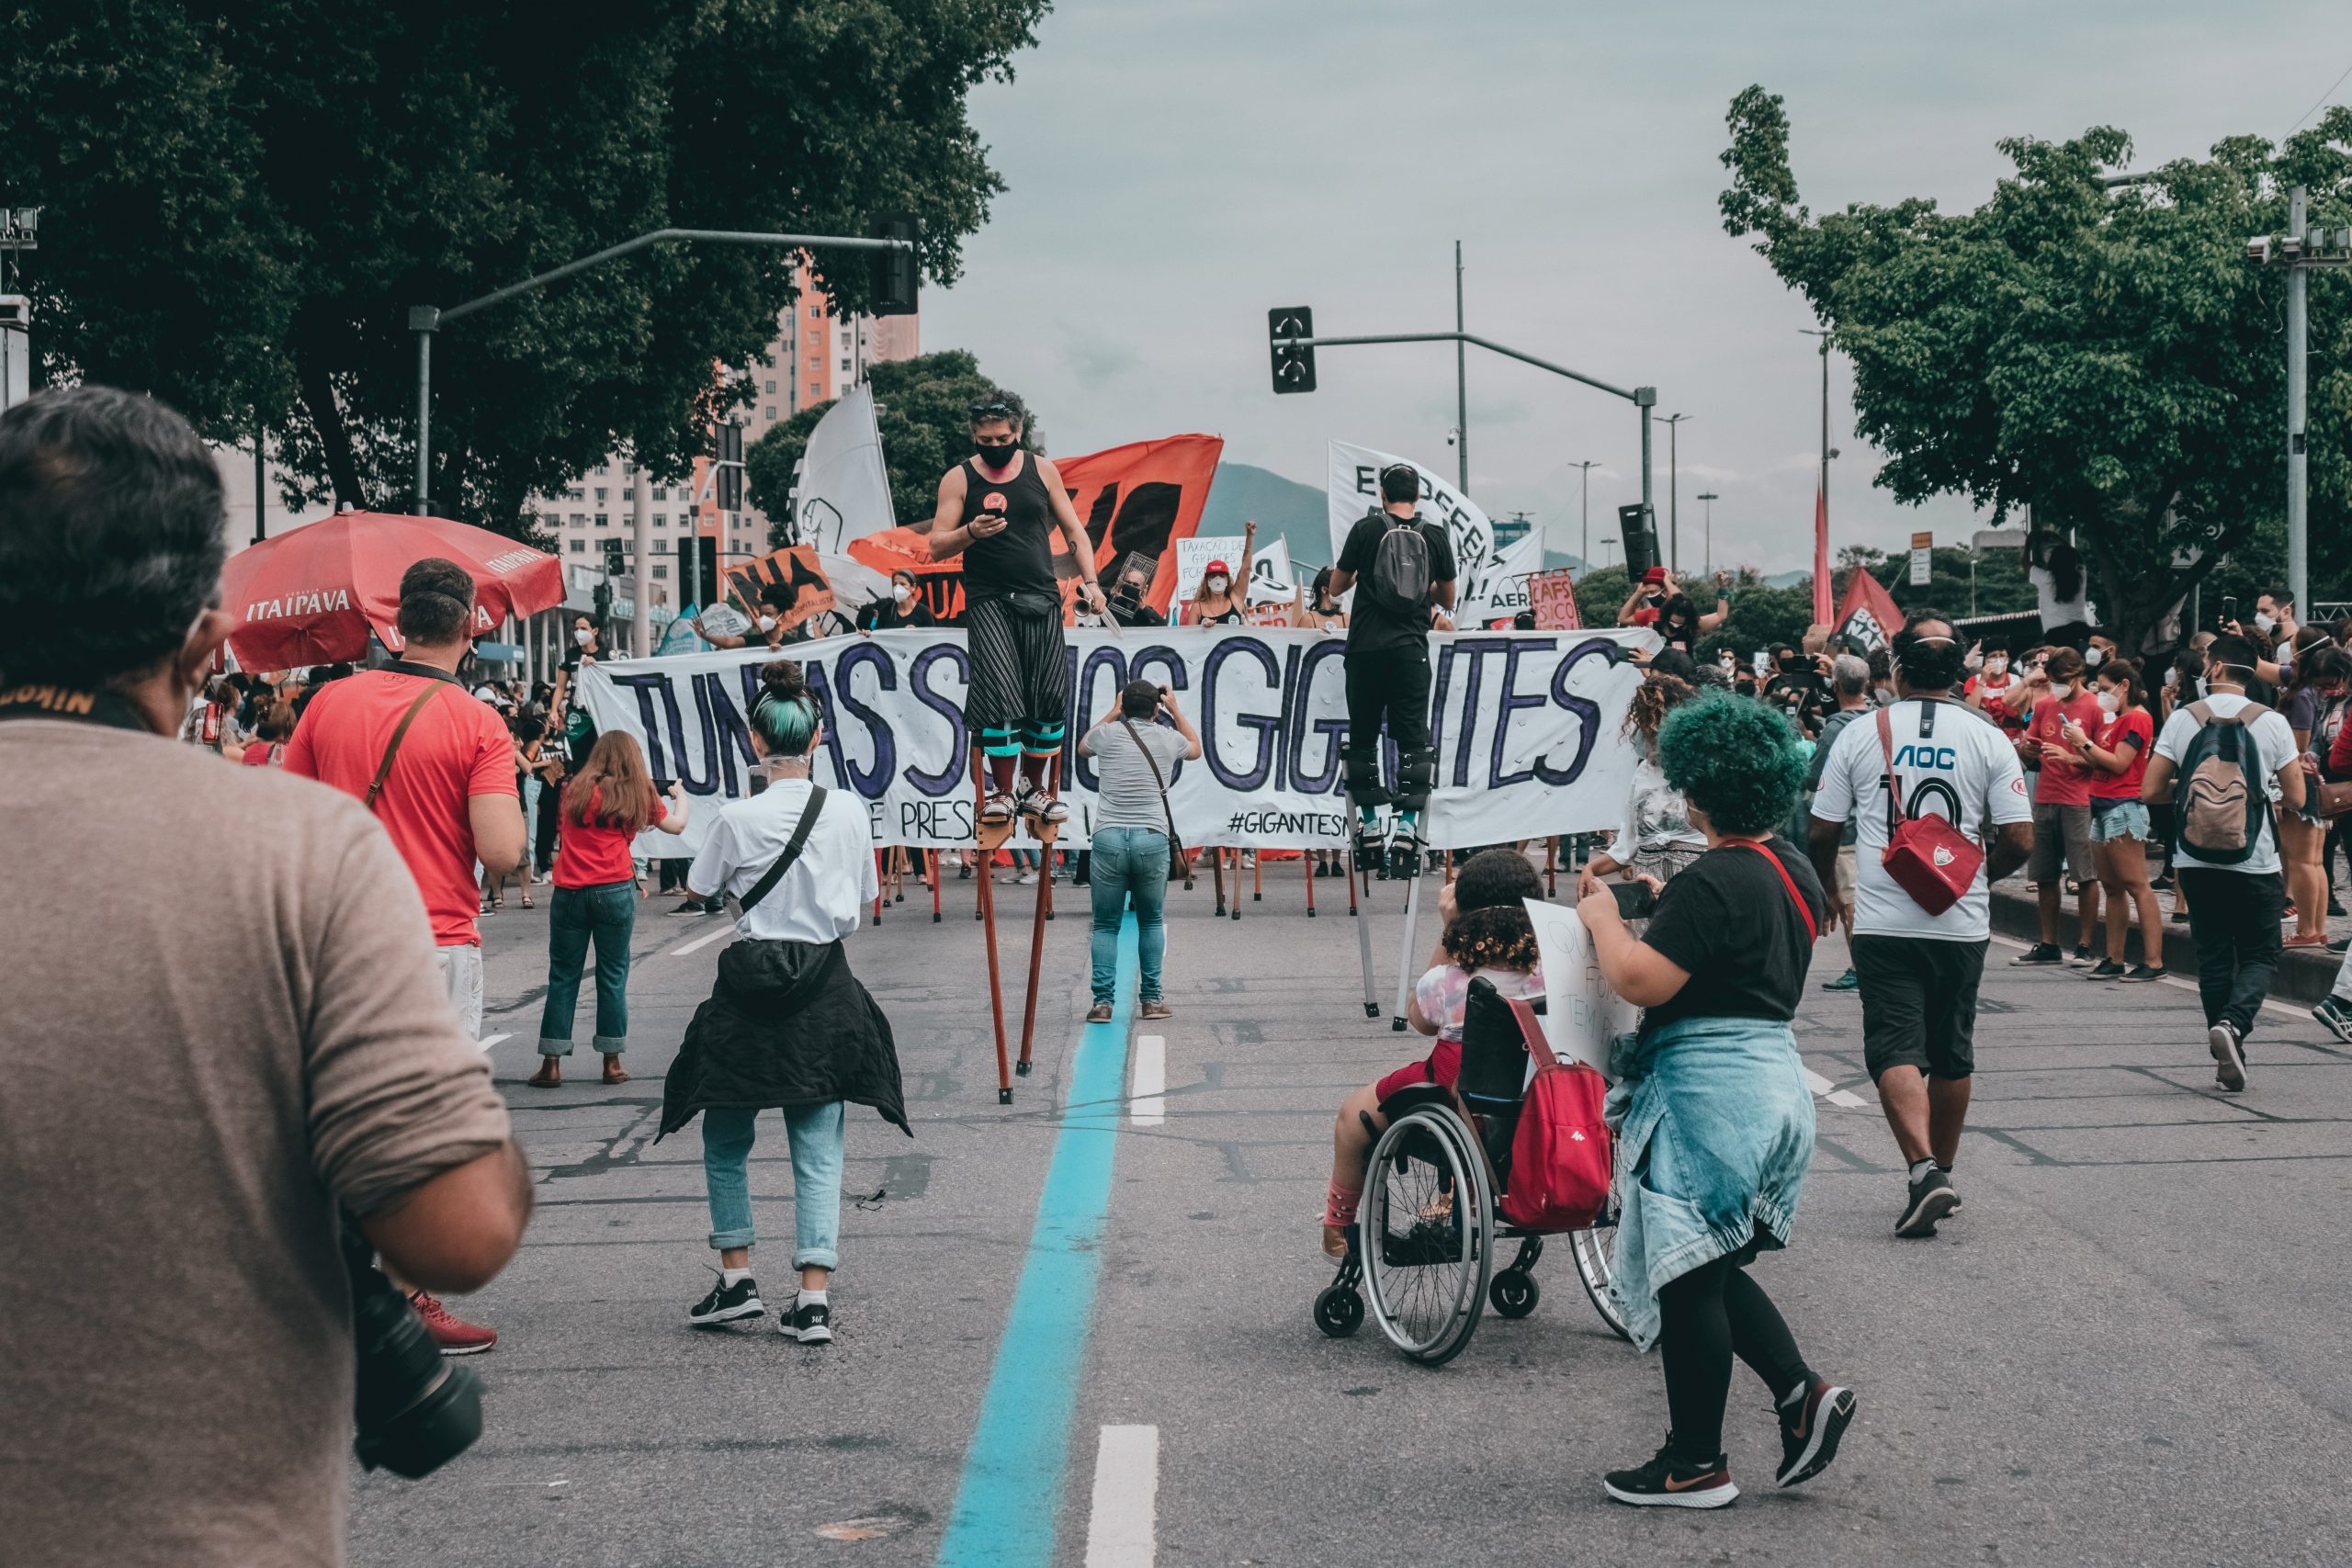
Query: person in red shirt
(436, 767)
(2117, 752)
(1989, 686)
(267, 748)
(606, 806)
(2062, 808)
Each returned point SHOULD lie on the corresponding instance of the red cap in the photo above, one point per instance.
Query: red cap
(1655, 574)
(1216, 567)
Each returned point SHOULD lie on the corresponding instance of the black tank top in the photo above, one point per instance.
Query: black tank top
(1021, 558)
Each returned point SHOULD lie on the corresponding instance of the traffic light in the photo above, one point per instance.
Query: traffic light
(1637, 530)
(895, 272)
(1293, 368)
(612, 558)
(601, 596)
(730, 466)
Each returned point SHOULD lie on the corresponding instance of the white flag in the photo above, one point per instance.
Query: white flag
(1355, 489)
(842, 492)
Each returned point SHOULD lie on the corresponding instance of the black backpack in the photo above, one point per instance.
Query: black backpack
(1398, 581)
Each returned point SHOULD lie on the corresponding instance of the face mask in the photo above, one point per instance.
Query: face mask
(583, 637)
(1218, 584)
(1996, 666)
(2263, 623)
(1657, 600)
(997, 457)
(2203, 690)
(2093, 656)
(766, 623)
(2109, 703)
(901, 593)
(1131, 591)
(1792, 665)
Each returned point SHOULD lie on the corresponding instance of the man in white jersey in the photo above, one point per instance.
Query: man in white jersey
(1920, 971)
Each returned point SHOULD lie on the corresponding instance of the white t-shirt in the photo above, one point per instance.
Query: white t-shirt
(824, 894)
(1656, 818)
(2274, 744)
(1965, 771)
(2057, 612)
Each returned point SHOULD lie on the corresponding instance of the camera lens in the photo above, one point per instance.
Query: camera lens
(414, 1411)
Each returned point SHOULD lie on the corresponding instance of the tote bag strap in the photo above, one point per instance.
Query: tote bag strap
(774, 874)
(1804, 910)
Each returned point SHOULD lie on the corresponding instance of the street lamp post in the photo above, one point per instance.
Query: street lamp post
(1606, 545)
(1827, 451)
(1584, 536)
(1708, 498)
(1673, 496)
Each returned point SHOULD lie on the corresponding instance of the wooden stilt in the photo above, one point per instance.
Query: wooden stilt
(1308, 860)
(988, 837)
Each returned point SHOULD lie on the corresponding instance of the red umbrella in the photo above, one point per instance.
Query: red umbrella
(312, 596)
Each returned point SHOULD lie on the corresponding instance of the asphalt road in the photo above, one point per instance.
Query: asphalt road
(2125, 1348)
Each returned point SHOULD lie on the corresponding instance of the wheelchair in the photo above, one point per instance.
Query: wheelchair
(1422, 1253)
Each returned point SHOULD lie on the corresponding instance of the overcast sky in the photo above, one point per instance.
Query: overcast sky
(1178, 166)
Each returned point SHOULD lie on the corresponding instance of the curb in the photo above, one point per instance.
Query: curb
(2303, 975)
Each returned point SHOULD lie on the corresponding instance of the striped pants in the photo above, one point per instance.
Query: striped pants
(1020, 687)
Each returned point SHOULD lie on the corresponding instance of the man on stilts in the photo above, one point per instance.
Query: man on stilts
(1403, 571)
(998, 511)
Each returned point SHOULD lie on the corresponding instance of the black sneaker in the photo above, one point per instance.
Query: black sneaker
(1407, 854)
(2080, 957)
(2040, 953)
(726, 1303)
(2335, 1018)
(692, 907)
(1666, 1482)
(1810, 1429)
(2142, 972)
(809, 1322)
(2106, 969)
(1931, 1198)
(2229, 1055)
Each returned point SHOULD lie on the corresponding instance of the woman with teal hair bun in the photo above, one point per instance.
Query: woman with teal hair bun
(1712, 1115)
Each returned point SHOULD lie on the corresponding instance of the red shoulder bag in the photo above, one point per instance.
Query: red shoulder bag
(1559, 1155)
(1929, 858)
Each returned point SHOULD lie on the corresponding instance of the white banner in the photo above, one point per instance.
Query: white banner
(1582, 1015)
(1481, 579)
(841, 492)
(1270, 570)
(1527, 728)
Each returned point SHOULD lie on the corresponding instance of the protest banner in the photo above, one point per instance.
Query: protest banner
(1582, 1015)
(799, 570)
(841, 492)
(1528, 728)
(1269, 569)
(1137, 499)
(1483, 579)
(1868, 615)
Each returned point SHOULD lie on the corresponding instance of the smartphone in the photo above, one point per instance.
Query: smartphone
(2229, 611)
(661, 786)
(1635, 900)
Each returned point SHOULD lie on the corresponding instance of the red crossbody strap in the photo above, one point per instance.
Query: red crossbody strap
(1894, 814)
(1531, 1029)
(1804, 910)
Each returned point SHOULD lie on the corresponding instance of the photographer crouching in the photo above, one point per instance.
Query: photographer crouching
(240, 1035)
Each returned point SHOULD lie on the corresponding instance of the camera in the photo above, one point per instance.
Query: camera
(414, 1411)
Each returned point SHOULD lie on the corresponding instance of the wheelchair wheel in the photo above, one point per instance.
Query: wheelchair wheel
(1427, 1223)
(1596, 1251)
(1339, 1311)
(1515, 1294)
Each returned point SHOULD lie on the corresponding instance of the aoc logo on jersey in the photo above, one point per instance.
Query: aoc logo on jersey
(1918, 756)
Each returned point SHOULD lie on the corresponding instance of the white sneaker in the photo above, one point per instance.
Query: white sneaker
(1025, 879)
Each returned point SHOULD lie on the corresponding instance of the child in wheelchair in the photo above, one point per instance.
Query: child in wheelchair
(1486, 933)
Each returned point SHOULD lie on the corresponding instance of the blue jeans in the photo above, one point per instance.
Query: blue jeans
(604, 914)
(1125, 861)
(816, 1134)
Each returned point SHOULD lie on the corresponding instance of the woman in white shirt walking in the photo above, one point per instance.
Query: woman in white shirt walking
(787, 1025)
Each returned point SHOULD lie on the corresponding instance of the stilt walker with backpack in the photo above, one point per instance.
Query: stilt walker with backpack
(998, 511)
(1402, 569)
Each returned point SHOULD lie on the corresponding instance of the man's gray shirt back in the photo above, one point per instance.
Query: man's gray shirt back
(1126, 795)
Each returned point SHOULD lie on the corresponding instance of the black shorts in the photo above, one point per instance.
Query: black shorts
(1918, 1003)
(1020, 668)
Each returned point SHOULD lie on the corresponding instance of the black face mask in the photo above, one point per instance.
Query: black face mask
(1932, 664)
(997, 457)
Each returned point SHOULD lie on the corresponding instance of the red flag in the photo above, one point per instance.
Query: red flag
(1865, 597)
(1821, 555)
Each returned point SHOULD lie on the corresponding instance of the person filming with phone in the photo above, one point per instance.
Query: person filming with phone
(1134, 760)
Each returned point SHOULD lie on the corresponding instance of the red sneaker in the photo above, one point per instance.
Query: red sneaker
(452, 1333)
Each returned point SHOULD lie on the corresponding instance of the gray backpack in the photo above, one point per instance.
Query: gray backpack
(1399, 578)
(2221, 805)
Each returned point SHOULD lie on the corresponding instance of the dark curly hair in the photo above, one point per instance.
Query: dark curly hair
(1491, 928)
(1734, 759)
(1660, 693)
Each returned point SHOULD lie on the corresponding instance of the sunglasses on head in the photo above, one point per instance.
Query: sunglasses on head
(983, 412)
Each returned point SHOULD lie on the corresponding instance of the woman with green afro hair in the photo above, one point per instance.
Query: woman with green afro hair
(1712, 1117)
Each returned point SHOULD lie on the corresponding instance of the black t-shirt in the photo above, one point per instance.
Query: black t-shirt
(1375, 627)
(1019, 559)
(1728, 919)
(884, 615)
(1135, 615)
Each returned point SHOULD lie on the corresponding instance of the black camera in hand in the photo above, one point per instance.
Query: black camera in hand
(415, 1410)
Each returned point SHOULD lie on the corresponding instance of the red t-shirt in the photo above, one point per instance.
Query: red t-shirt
(1996, 708)
(257, 754)
(592, 852)
(2062, 782)
(2137, 727)
(457, 748)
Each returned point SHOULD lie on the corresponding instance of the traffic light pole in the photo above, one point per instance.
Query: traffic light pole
(2298, 365)
(1642, 398)
(426, 320)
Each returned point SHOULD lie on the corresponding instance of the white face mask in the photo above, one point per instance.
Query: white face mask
(2108, 703)
(2203, 690)
(583, 637)
(1218, 584)
(1997, 665)
(2093, 657)
(901, 593)
(767, 623)
(2263, 623)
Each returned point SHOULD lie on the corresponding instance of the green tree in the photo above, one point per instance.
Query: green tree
(1599, 592)
(925, 408)
(1999, 581)
(242, 203)
(2102, 353)
(1758, 615)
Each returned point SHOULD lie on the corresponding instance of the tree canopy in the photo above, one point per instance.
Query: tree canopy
(924, 408)
(2101, 353)
(241, 204)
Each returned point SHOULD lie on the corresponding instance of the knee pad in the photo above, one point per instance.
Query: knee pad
(1041, 739)
(1360, 775)
(1000, 741)
(1416, 777)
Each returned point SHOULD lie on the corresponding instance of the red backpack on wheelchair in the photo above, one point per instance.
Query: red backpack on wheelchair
(1545, 1138)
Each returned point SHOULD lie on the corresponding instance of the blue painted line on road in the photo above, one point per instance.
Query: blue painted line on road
(1010, 1498)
